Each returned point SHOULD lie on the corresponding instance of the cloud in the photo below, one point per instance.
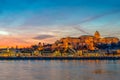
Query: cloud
(89, 19)
(81, 30)
(43, 36)
(99, 16)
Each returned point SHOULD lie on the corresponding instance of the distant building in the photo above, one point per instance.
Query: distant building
(109, 40)
(97, 35)
(88, 41)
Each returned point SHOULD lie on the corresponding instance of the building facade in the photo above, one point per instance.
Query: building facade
(84, 41)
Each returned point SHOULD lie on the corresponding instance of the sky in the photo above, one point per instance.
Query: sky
(27, 22)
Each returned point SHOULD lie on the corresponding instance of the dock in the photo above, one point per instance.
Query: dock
(62, 58)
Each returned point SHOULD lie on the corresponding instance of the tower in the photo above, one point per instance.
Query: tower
(97, 34)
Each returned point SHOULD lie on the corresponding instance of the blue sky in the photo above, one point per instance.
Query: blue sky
(27, 21)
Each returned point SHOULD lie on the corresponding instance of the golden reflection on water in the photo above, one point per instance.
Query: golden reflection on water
(100, 71)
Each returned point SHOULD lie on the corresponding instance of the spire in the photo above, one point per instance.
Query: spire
(97, 34)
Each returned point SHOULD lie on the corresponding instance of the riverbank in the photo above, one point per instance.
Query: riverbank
(62, 58)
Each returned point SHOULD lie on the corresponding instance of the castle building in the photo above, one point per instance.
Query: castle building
(85, 40)
(97, 35)
(109, 40)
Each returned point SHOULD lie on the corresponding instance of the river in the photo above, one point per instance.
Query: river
(59, 70)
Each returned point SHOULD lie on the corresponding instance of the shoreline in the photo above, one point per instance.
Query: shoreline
(62, 58)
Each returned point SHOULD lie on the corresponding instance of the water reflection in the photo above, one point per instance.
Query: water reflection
(60, 70)
(100, 71)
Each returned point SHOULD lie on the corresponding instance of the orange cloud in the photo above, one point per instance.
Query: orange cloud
(20, 42)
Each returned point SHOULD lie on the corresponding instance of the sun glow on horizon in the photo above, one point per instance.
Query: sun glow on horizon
(4, 33)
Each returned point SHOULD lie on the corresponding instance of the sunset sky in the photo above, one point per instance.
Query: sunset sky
(26, 22)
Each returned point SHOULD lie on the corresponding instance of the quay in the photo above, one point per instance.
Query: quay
(62, 58)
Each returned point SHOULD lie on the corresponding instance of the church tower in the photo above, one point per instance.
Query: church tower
(97, 34)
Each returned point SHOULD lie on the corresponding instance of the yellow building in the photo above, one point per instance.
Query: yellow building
(88, 40)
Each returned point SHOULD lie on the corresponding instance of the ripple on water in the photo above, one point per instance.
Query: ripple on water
(59, 70)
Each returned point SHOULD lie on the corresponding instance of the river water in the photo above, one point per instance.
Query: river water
(60, 70)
